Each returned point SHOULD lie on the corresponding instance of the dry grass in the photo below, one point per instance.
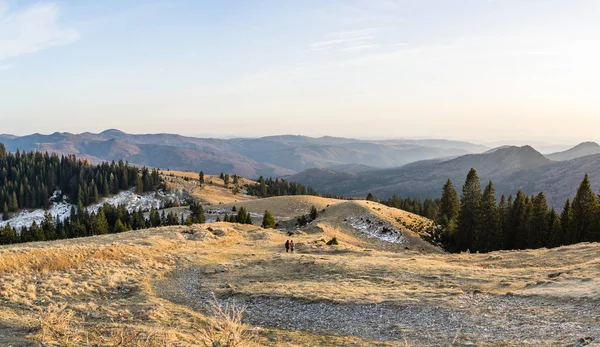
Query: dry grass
(102, 290)
(56, 327)
(284, 207)
(225, 328)
(215, 193)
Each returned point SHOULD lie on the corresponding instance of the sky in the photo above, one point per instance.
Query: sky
(481, 70)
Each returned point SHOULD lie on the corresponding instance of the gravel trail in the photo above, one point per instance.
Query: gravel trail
(472, 319)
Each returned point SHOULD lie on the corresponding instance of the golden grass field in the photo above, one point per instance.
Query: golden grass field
(152, 287)
(215, 193)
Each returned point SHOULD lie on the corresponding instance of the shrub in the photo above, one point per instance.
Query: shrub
(333, 241)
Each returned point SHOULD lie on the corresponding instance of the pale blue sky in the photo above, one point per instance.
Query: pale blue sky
(471, 69)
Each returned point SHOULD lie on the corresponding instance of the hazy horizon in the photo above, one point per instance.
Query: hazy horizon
(480, 71)
(557, 144)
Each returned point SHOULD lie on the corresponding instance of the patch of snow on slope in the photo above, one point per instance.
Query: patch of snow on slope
(134, 202)
(59, 210)
(62, 209)
(376, 229)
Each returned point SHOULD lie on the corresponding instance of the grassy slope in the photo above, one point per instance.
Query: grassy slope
(115, 281)
(110, 280)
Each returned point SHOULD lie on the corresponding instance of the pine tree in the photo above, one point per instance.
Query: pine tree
(201, 177)
(13, 203)
(539, 231)
(226, 179)
(370, 197)
(48, 227)
(585, 212)
(517, 217)
(197, 212)
(566, 224)
(119, 226)
(99, 225)
(488, 234)
(449, 207)
(468, 215)
(5, 214)
(268, 220)
(139, 186)
(313, 213)
(555, 230)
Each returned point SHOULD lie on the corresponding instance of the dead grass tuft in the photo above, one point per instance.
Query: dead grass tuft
(225, 328)
(56, 326)
(127, 336)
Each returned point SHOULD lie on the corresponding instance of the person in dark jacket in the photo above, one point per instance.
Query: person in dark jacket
(287, 246)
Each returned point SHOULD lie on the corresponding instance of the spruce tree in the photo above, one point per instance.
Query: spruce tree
(119, 226)
(139, 186)
(555, 231)
(517, 218)
(99, 225)
(488, 234)
(5, 214)
(226, 180)
(313, 213)
(566, 225)
(370, 197)
(449, 207)
(468, 216)
(268, 221)
(201, 177)
(585, 212)
(13, 203)
(539, 231)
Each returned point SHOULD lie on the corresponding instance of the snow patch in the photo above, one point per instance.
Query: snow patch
(134, 202)
(61, 208)
(376, 229)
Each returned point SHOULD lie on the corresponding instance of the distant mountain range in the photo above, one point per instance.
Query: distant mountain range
(509, 167)
(342, 166)
(250, 157)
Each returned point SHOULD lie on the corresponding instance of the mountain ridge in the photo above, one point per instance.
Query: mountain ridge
(277, 155)
(509, 168)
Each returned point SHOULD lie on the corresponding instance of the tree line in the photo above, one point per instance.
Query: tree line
(479, 223)
(281, 187)
(108, 219)
(428, 208)
(29, 179)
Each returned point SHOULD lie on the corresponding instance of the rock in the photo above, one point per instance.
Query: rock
(584, 341)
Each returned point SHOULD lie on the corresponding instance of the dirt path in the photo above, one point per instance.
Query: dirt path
(473, 319)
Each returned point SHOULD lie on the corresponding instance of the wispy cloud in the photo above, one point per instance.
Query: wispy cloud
(32, 29)
(359, 48)
(337, 42)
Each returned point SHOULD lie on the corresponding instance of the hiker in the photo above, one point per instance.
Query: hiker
(287, 246)
(292, 246)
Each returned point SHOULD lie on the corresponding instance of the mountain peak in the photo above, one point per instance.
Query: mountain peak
(587, 144)
(581, 150)
(112, 132)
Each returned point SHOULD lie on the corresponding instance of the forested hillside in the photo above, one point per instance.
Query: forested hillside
(477, 222)
(31, 179)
